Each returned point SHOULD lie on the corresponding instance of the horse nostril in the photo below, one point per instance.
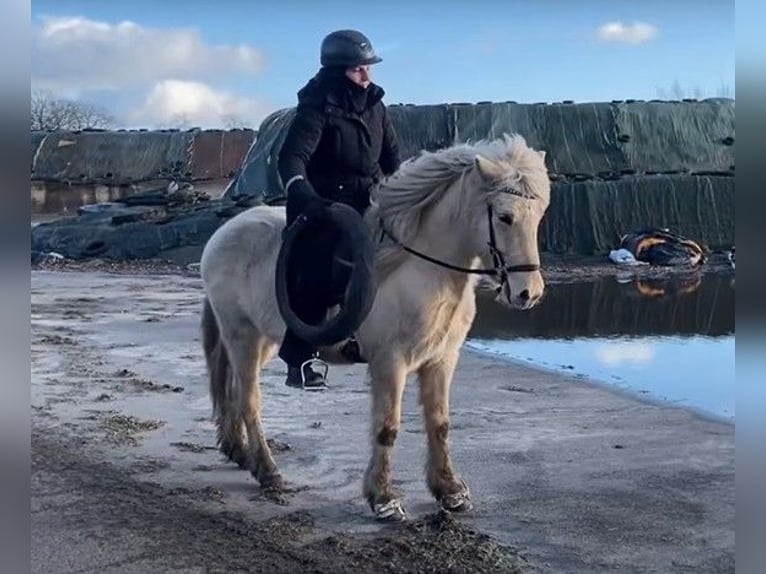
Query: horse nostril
(524, 295)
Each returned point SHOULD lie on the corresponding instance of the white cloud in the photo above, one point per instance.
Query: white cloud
(77, 54)
(636, 353)
(147, 77)
(180, 103)
(637, 33)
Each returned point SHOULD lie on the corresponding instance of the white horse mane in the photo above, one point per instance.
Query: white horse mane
(420, 181)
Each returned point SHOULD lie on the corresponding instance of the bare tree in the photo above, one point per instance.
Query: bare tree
(678, 92)
(725, 91)
(234, 121)
(50, 113)
(179, 121)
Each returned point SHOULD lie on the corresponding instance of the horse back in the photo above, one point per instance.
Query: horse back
(247, 240)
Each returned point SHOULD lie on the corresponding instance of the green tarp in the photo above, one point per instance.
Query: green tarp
(131, 156)
(589, 217)
(37, 139)
(120, 157)
(617, 166)
(590, 139)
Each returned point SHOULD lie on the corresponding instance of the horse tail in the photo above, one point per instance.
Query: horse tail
(217, 359)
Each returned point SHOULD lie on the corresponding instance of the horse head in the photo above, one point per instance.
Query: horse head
(514, 186)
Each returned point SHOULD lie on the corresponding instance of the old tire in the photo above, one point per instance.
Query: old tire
(360, 291)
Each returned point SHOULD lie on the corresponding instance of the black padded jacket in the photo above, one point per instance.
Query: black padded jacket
(341, 141)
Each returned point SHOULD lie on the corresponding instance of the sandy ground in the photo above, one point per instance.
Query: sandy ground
(566, 475)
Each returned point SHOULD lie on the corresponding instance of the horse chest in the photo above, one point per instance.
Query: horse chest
(442, 326)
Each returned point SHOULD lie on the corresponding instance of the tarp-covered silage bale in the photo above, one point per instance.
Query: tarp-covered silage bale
(258, 175)
(111, 157)
(590, 216)
(37, 139)
(617, 148)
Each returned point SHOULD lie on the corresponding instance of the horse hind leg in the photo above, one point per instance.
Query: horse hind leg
(248, 351)
(446, 487)
(387, 392)
(231, 432)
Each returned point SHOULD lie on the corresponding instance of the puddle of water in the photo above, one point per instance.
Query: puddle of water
(666, 340)
(51, 201)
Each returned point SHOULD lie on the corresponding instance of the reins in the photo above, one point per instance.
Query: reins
(500, 270)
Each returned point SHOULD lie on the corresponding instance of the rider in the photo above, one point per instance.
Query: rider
(340, 143)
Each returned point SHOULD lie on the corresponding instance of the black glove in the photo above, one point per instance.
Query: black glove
(308, 202)
(316, 209)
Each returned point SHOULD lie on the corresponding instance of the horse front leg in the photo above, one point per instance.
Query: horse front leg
(387, 392)
(435, 382)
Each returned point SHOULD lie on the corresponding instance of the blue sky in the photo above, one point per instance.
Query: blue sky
(200, 60)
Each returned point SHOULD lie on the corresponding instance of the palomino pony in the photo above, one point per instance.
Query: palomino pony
(442, 219)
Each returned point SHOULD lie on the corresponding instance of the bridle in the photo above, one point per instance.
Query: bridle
(500, 270)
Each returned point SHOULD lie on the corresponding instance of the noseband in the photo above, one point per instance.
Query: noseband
(500, 270)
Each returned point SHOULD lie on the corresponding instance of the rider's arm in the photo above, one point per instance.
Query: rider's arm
(300, 143)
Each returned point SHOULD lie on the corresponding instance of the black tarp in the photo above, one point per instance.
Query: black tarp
(120, 232)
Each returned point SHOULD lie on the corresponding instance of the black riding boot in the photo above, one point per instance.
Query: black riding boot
(305, 378)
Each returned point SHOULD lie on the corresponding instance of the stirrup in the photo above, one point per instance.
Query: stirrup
(314, 361)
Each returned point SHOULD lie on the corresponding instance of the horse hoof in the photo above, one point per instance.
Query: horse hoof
(391, 511)
(273, 482)
(240, 459)
(235, 454)
(274, 495)
(458, 502)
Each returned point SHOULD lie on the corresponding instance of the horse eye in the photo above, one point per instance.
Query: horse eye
(507, 219)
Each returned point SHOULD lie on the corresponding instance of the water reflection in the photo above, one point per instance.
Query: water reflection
(49, 200)
(668, 340)
(689, 306)
(53, 200)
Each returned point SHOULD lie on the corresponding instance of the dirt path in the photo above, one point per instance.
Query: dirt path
(87, 515)
(567, 476)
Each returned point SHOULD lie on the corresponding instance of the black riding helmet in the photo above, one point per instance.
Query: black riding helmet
(347, 48)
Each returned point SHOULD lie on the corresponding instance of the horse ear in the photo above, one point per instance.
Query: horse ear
(488, 169)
